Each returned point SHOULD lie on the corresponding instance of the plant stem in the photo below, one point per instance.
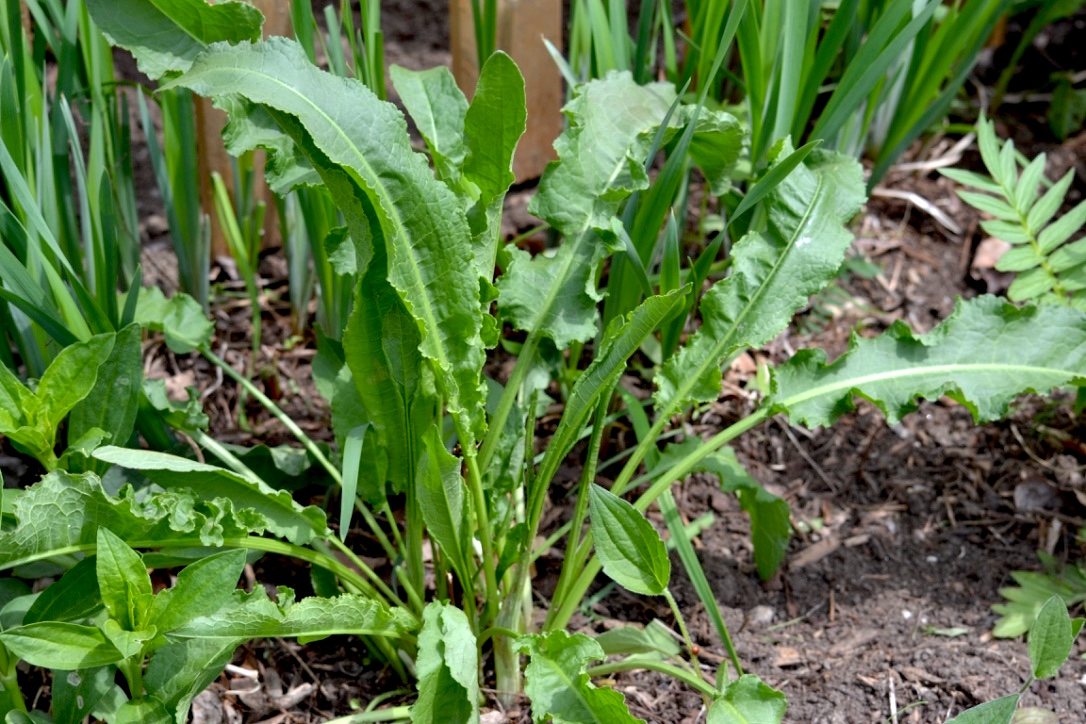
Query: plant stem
(133, 673)
(508, 399)
(485, 534)
(683, 630)
(10, 684)
(559, 615)
(634, 663)
(396, 713)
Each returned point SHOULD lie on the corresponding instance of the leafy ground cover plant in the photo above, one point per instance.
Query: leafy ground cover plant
(418, 425)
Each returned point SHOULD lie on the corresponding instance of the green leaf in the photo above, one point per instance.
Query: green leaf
(185, 416)
(148, 710)
(748, 700)
(250, 616)
(1050, 639)
(770, 525)
(654, 638)
(443, 502)
(493, 125)
(202, 588)
(437, 106)
(123, 581)
(558, 686)
(715, 147)
(166, 35)
(1000, 711)
(601, 162)
(282, 515)
(447, 668)
(984, 355)
(75, 693)
(131, 644)
(365, 140)
(67, 646)
(180, 319)
(628, 546)
(63, 510)
(1062, 229)
(113, 402)
(74, 597)
(68, 379)
(990, 205)
(179, 671)
(773, 275)
(1047, 206)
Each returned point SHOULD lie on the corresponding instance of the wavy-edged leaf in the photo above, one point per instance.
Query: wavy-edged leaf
(63, 510)
(445, 506)
(447, 668)
(437, 106)
(423, 226)
(166, 35)
(748, 700)
(283, 516)
(601, 161)
(772, 276)
(180, 318)
(493, 125)
(254, 615)
(556, 682)
(984, 355)
(629, 548)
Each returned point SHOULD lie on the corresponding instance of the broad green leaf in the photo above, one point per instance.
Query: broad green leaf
(250, 616)
(166, 35)
(123, 581)
(179, 671)
(654, 638)
(1050, 639)
(14, 396)
(493, 125)
(770, 526)
(148, 710)
(773, 275)
(437, 106)
(381, 347)
(130, 643)
(68, 379)
(55, 645)
(62, 511)
(74, 597)
(443, 501)
(999, 711)
(184, 416)
(601, 161)
(984, 355)
(447, 668)
(629, 548)
(180, 319)
(556, 682)
(748, 700)
(715, 147)
(75, 693)
(202, 588)
(425, 231)
(282, 515)
(114, 400)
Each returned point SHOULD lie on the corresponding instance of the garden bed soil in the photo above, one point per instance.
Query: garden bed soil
(881, 612)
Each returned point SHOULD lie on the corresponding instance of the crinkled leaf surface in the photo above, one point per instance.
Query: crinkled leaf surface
(748, 700)
(254, 615)
(447, 668)
(773, 274)
(283, 516)
(63, 510)
(601, 161)
(628, 546)
(437, 106)
(423, 225)
(558, 686)
(165, 35)
(984, 355)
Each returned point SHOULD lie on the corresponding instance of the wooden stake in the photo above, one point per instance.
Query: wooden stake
(522, 25)
(212, 156)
